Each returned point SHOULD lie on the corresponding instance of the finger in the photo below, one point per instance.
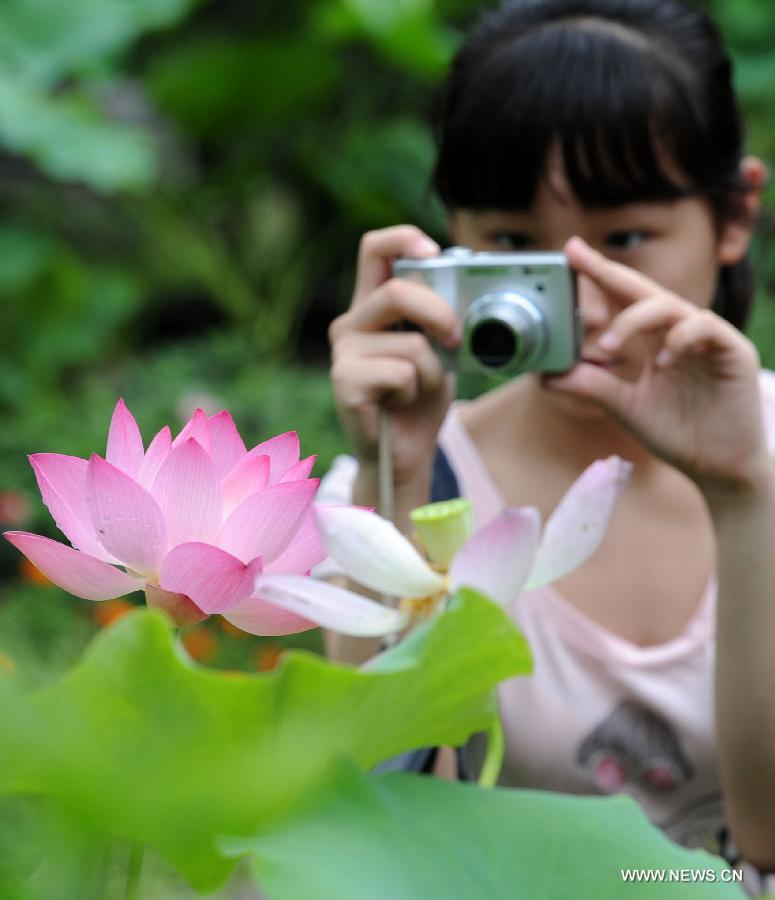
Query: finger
(391, 379)
(396, 301)
(378, 249)
(649, 316)
(704, 333)
(616, 279)
(410, 346)
(595, 384)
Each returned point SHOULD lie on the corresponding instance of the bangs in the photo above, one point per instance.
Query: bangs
(619, 109)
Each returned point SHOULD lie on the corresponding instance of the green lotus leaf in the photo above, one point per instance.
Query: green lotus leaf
(417, 838)
(139, 743)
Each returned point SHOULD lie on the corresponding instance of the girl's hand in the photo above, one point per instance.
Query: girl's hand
(696, 401)
(374, 365)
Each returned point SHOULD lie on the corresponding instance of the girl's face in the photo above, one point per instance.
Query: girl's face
(677, 244)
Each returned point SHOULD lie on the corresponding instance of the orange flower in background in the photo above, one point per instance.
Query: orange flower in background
(230, 629)
(201, 644)
(14, 508)
(31, 573)
(268, 656)
(6, 663)
(108, 611)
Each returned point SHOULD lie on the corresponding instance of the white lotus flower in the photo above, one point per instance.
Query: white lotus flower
(509, 555)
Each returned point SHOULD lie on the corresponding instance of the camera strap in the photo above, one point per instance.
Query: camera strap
(386, 498)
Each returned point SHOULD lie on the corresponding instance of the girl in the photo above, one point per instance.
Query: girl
(608, 128)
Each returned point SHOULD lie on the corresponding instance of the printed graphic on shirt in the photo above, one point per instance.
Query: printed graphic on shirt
(634, 750)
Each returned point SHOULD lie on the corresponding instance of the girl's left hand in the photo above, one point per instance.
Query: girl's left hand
(696, 401)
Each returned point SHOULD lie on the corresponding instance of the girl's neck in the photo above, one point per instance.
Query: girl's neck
(568, 433)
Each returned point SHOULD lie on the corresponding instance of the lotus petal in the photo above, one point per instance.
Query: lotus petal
(62, 483)
(213, 579)
(128, 521)
(265, 523)
(283, 452)
(304, 551)
(158, 450)
(374, 553)
(300, 470)
(125, 444)
(497, 559)
(180, 608)
(257, 616)
(228, 448)
(324, 603)
(188, 495)
(197, 428)
(578, 525)
(76, 572)
(248, 476)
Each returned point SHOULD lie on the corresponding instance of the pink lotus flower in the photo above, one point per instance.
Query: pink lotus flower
(199, 523)
(509, 555)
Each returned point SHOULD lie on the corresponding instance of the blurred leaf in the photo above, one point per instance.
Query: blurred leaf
(42, 630)
(57, 310)
(379, 173)
(242, 82)
(761, 329)
(405, 31)
(104, 743)
(746, 24)
(43, 41)
(413, 837)
(65, 132)
(25, 254)
(71, 140)
(755, 78)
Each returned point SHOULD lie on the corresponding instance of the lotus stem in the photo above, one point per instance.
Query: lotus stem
(133, 871)
(493, 760)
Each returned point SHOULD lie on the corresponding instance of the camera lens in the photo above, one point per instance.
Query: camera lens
(504, 333)
(493, 343)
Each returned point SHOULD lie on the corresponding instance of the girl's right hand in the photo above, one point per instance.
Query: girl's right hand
(373, 365)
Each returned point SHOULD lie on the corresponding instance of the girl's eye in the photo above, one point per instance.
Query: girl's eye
(510, 240)
(625, 240)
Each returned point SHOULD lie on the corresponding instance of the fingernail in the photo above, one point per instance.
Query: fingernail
(663, 358)
(425, 246)
(609, 341)
(454, 335)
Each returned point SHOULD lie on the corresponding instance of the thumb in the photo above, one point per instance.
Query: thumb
(592, 383)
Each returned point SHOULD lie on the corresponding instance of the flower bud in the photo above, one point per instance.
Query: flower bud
(442, 529)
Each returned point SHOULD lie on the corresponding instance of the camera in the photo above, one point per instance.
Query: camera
(518, 310)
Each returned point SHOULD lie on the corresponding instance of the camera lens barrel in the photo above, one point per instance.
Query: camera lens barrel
(504, 332)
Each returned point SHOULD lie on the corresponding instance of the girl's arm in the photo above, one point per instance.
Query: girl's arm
(696, 404)
(744, 521)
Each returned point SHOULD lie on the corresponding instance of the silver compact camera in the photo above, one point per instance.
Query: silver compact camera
(518, 310)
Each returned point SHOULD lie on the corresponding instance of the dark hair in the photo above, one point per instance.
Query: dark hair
(637, 94)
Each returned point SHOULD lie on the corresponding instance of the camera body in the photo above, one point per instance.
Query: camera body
(518, 310)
